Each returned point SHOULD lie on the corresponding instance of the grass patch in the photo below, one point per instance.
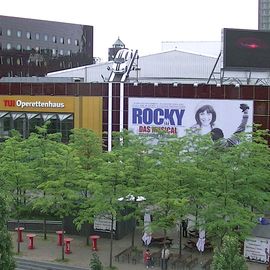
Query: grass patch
(61, 261)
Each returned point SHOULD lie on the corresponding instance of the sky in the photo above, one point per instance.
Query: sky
(142, 24)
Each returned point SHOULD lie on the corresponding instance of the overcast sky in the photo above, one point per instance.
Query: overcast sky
(142, 24)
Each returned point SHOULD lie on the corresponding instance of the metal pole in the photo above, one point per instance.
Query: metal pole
(121, 120)
(110, 117)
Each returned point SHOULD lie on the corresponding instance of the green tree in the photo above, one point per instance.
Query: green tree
(6, 257)
(87, 147)
(16, 169)
(164, 188)
(135, 162)
(238, 184)
(42, 157)
(62, 197)
(106, 189)
(229, 258)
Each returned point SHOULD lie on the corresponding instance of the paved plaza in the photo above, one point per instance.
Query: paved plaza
(49, 251)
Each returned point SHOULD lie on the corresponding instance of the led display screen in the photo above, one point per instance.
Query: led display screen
(246, 49)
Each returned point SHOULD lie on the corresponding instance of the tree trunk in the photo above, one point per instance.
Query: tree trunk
(45, 229)
(133, 233)
(111, 242)
(180, 239)
(18, 240)
(63, 242)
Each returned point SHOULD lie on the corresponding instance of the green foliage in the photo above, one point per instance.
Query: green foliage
(222, 188)
(229, 258)
(6, 257)
(16, 171)
(61, 191)
(95, 263)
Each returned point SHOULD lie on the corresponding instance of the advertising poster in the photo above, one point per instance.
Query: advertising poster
(146, 116)
(103, 223)
(257, 249)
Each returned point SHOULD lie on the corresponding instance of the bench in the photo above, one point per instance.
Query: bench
(161, 240)
(206, 265)
(130, 254)
(190, 245)
(123, 253)
(193, 262)
(180, 260)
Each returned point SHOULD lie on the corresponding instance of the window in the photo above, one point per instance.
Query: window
(68, 41)
(8, 32)
(45, 37)
(54, 39)
(69, 52)
(54, 52)
(62, 40)
(61, 52)
(19, 62)
(76, 42)
(28, 35)
(8, 46)
(19, 33)
(37, 49)
(19, 47)
(37, 36)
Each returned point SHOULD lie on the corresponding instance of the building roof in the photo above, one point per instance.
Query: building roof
(173, 65)
(118, 44)
(209, 48)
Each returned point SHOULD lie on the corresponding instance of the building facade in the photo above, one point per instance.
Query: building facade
(31, 47)
(264, 14)
(85, 105)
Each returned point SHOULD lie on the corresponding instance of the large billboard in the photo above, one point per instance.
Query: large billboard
(246, 49)
(146, 116)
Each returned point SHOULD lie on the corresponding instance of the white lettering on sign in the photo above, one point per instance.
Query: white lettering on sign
(39, 104)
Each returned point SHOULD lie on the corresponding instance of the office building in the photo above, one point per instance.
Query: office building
(30, 47)
(264, 15)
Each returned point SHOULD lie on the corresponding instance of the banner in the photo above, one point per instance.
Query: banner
(257, 249)
(146, 116)
(103, 223)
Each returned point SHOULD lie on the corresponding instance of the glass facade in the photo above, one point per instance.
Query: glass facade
(26, 123)
(43, 46)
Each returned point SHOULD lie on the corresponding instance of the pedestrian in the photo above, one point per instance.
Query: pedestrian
(147, 238)
(184, 227)
(147, 258)
(165, 255)
(266, 256)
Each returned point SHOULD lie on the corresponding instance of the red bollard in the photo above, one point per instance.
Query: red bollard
(94, 239)
(59, 237)
(31, 240)
(67, 244)
(19, 230)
